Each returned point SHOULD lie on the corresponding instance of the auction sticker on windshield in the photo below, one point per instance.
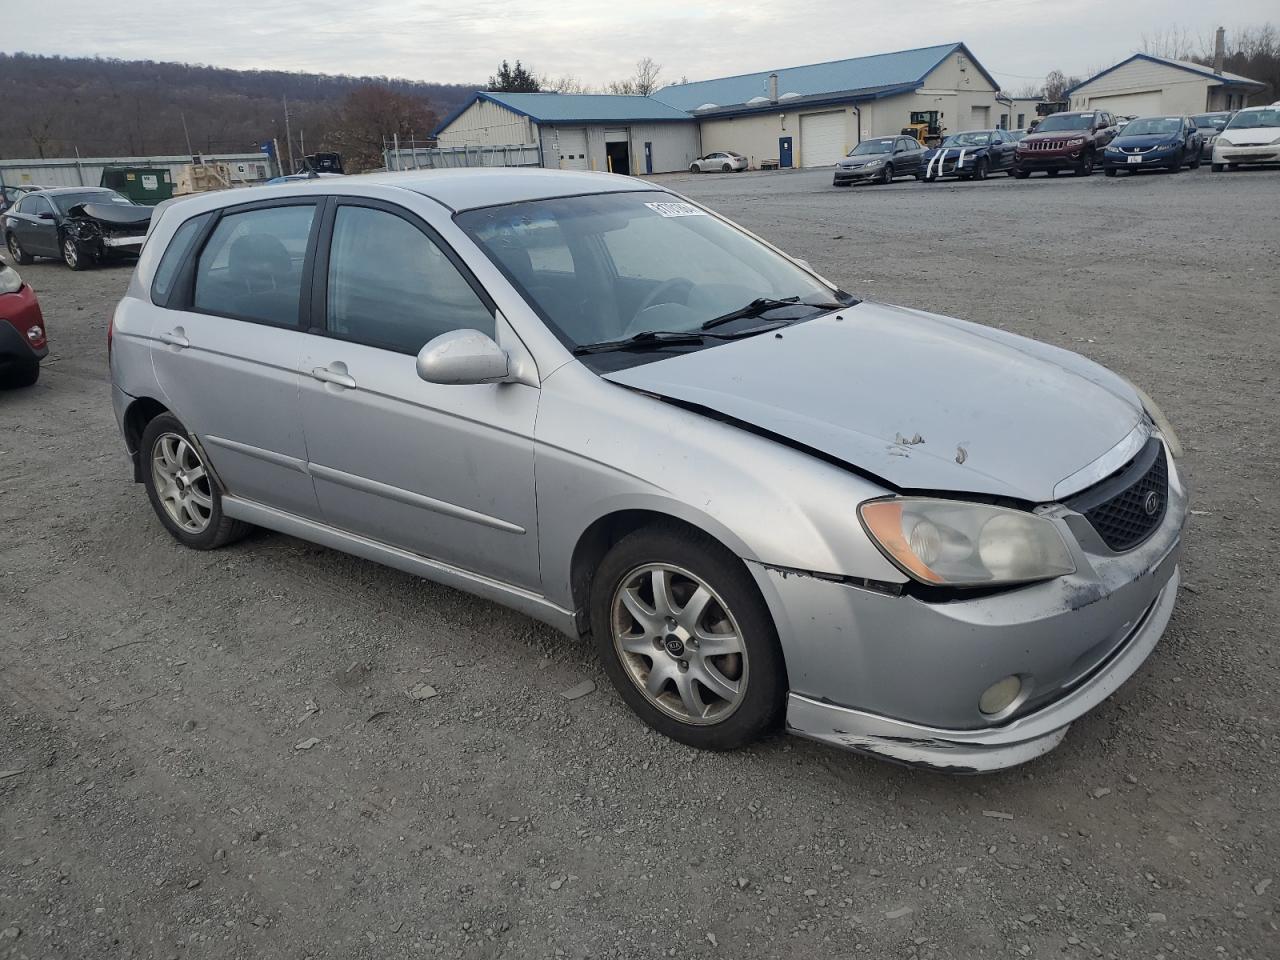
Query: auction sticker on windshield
(669, 209)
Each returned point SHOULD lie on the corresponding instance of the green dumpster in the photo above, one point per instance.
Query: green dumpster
(147, 185)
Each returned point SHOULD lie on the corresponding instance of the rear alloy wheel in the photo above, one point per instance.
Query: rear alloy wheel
(686, 638)
(183, 492)
(20, 256)
(75, 255)
(886, 175)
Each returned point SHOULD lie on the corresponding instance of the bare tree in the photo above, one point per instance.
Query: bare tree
(1030, 90)
(369, 116)
(642, 83)
(1056, 85)
(566, 84)
(1175, 43)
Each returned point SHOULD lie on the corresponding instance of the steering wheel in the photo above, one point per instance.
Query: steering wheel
(675, 290)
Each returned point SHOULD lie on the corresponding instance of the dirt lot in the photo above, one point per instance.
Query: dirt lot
(157, 799)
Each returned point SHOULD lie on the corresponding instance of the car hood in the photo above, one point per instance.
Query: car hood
(1054, 135)
(1145, 140)
(1250, 136)
(922, 402)
(954, 151)
(116, 214)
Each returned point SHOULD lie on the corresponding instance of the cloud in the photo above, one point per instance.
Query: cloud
(465, 42)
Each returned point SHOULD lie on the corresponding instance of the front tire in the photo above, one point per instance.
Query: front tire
(20, 256)
(1176, 166)
(1021, 174)
(980, 169)
(1108, 171)
(183, 491)
(686, 638)
(75, 254)
(886, 175)
(25, 377)
(1215, 168)
(1085, 167)
(694, 168)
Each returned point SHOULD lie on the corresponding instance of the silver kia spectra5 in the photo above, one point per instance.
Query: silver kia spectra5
(597, 402)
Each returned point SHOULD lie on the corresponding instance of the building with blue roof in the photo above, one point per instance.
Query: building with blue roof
(1143, 85)
(808, 115)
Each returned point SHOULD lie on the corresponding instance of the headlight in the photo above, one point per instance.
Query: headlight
(954, 543)
(10, 281)
(1160, 420)
(1074, 141)
(875, 163)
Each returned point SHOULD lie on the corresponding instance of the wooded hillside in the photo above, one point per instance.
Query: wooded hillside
(53, 105)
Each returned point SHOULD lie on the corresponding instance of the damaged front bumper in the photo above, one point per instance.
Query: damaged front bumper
(984, 750)
(902, 677)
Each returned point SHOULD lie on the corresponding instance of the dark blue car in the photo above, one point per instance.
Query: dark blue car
(1162, 143)
(970, 155)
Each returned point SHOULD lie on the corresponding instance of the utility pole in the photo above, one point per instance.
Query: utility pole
(185, 133)
(302, 143)
(288, 137)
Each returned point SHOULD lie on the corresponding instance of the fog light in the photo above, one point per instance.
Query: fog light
(35, 333)
(1000, 695)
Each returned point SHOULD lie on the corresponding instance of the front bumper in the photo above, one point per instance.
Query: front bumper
(901, 677)
(19, 312)
(855, 174)
(1048, 160)
(1161, 157)
(1264, 153)
(124, 244)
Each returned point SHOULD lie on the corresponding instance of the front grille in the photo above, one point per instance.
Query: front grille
(1045, 145)
(1128, 507)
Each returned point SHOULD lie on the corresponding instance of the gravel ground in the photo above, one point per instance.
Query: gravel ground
(215, 755)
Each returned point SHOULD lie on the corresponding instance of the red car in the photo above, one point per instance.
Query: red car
(22, 338)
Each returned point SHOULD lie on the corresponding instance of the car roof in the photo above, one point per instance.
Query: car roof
(55, 191)
(472, 187)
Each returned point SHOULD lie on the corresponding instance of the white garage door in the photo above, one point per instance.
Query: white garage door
(821, 139)
(1129, 104)
(573, 149)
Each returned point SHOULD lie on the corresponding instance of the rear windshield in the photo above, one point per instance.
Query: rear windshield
(1206, 120)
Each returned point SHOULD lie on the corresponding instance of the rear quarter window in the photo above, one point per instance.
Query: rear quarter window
(175, 254)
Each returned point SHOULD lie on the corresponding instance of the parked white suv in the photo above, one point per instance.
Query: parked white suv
(1252, 136)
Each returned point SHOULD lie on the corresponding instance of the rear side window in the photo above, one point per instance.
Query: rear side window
(391, 286)
(174, 254)
(251, 268)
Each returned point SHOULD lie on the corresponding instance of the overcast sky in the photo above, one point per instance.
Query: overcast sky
(463, 41)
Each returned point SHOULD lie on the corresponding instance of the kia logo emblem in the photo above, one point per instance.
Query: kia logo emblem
(1152, 503)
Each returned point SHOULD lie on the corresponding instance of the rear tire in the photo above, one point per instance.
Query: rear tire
(658, 643)
(182, 489)
(20, 256)
(24, 377)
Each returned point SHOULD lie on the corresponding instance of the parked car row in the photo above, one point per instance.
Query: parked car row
(1074, 143)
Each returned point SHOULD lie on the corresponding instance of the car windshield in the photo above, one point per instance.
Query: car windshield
(974, 138)
(616, 265)
(65, 201)
(1250, 119)
(872, 146)
(1210, 120)
(1065, 121)
(1147, 126)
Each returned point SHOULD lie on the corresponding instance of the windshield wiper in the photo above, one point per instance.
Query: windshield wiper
(648, 338)
(762, 305)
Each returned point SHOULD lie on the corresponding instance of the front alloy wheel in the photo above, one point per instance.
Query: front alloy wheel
(679, 643)
(686, 638)
(75, 255)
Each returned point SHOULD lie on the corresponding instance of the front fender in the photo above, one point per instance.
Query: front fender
(603, 448)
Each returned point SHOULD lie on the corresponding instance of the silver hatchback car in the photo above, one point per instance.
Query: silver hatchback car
(604, 405)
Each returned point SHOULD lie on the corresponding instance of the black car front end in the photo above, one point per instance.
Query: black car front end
(108, 229)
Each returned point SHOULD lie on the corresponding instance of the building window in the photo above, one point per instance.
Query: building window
(1022, 121)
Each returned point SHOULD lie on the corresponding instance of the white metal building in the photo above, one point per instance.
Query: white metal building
(87, 171)
(622, 134)
(1144, 85)
(811, 116)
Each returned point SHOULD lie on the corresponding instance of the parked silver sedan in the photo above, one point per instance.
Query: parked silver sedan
(721, 161)
(597, 402)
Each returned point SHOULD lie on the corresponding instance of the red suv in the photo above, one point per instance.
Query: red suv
(1065, 141)
(22, 338)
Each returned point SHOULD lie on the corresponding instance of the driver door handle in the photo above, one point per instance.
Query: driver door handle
(175, 338)
(338, 377)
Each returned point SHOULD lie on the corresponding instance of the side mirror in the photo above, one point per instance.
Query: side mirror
(462, 357)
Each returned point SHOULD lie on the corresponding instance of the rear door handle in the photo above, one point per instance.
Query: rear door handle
(335, 373)
(175, 338)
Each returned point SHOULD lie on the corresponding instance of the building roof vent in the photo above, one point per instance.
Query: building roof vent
(757, 100)
(707, 106)
(789, 96)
